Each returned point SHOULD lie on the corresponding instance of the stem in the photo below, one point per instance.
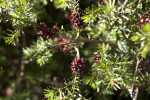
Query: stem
(77, 44)
(122, 32)
(111, 29)
(124, 5)
(86, 40)
(74, 83)
(5, 7)
(25, 21)
(134, 92)
(77, 50)
(64, 36)
(63, 87)
(25, 10)
(78, 33)
(78, 55)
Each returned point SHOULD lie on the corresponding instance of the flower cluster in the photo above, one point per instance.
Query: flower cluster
(76, 19)
(96, 58)
(61, 40)
(44, 30)
(78, 65)
(145, 18)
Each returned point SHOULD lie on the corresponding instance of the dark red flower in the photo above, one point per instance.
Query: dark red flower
(44, 30)
(96, 58)
(63, 47)
(145, 18)
(76, 19)
(78, 65)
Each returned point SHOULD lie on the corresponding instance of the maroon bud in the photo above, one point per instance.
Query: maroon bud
(44, 30)
(78, 65)
(76, 19)
(145, 18)
(96, 58)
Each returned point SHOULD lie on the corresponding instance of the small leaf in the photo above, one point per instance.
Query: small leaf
(122, 46)
(144, 51)
(135, 38)
(146, 27)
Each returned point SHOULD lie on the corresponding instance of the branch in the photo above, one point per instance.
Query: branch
(124, 5)
(74, 81)
(78, 55)
(25, 21)
(111, 29)
(137, 65)
(133, 92)
(77, 44)
(86, 40)
(64, 36)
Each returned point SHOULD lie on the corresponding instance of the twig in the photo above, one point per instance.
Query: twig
(25, 21)
(137, 65)
(120, 28)
(129, 5)
(4, 3)
(77, 44)
(74, 83)
(25, 10)
(64, 36)
(86, 40)
(133, 92)
(111, 29)
(134, 11)
(78, 55)
(64, 87)
(77, 50)
(124, 5)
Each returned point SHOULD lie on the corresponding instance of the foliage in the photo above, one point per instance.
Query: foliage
(39, 51)
(110, 33)
(108, 72)
(70, 91)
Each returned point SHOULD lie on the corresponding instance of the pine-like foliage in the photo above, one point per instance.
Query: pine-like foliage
(100, 51)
